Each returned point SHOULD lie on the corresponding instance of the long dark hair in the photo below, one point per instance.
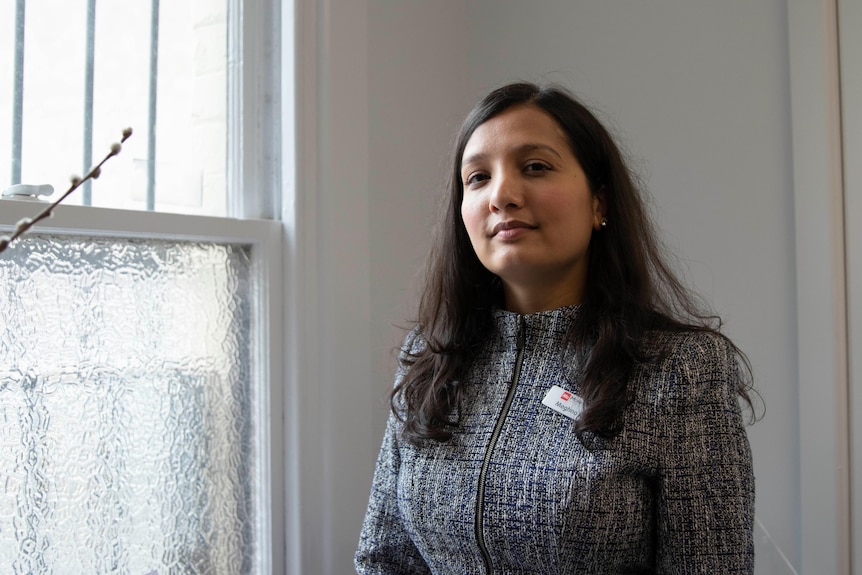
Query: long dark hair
(630, 287)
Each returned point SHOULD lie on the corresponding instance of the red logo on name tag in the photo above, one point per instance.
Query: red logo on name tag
(565, 396)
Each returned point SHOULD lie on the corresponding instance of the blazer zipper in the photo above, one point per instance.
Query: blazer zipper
(495, 435)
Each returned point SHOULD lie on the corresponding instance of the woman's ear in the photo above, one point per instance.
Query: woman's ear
(599, 210)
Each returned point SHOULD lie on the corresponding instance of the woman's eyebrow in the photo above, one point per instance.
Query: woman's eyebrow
(534, 147)
(520, 149)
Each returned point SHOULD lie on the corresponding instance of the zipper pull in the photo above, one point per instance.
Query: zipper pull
(522, 333)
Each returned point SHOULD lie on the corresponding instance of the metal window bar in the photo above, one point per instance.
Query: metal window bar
(89, 69)
(151, 139)
(18, 93)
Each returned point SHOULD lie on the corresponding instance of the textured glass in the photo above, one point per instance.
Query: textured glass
(127, 440)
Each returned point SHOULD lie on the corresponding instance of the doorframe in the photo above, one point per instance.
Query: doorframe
(821, 281)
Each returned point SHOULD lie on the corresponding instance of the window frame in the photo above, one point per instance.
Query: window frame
(254, 116)
(265, 238)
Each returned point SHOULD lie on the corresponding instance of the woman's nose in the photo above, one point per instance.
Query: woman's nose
(506, 192)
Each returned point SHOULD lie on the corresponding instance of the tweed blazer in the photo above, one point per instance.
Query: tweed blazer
(515, 492)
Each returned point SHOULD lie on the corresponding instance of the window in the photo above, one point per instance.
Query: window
(128, 442)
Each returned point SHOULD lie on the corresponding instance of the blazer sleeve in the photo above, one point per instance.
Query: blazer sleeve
(385, 546)
(706, 483)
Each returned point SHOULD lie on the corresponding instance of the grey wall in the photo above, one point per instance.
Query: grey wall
(851, 86)
(698, 94)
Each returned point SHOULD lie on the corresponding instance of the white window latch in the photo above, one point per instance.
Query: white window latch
(28, 192)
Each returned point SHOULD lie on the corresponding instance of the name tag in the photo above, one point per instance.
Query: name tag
(563, 401)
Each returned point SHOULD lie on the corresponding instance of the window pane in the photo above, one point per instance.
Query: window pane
(189, 110)
(127, 437)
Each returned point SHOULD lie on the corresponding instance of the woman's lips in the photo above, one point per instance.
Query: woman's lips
(511, 229)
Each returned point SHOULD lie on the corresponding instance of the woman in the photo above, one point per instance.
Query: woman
(562, 405)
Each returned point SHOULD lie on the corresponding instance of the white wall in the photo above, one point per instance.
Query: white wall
(380, 90)
(698, 92)
(416, 76)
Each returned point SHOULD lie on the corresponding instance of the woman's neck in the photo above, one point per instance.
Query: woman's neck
(535, 299)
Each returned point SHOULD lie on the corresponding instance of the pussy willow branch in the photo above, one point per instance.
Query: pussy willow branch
(26, 223)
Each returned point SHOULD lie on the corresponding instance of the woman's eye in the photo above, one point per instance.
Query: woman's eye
(537, 167)
(476, 178)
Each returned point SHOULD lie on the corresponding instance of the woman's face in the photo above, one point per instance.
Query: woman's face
(528, 208)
